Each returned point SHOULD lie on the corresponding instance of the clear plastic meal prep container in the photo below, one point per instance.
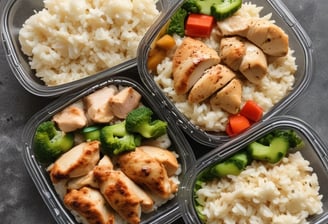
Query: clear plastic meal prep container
(315, 151)
(298, 41)
(164, 214)
(13, 15)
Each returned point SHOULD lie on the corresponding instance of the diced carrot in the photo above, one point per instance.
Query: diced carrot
(252, 111)
(238, 123)
(229, 130)
(166, 42)
(198, 25)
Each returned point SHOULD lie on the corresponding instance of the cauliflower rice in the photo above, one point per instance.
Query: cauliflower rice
(69, 40)
(287, 192)
(274, 86)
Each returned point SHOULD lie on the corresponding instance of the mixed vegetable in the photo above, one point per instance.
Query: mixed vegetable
(126, 135)
(196, 17)
(270, 148)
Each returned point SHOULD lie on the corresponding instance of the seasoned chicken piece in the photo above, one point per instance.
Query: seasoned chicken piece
(213, 79)
(232, 51)
(240, 54)
(190, 60)
(233, 25)
(263, 33)
(254, 64)
(268, 36)
(87, 180)
(76, 162)
(164, 156)
(124, 101)
(90, 204)
(97, 104)
(147, 171)
(123, 195)
(229, 97)
(106, 162)
(71, 118)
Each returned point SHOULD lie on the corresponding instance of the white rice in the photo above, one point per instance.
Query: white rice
(278, 82)
(287, 192)
(69, 40)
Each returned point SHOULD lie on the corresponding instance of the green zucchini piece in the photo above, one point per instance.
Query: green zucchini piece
(91, 133)
(232, 166)
(220, 9)
(273, 153)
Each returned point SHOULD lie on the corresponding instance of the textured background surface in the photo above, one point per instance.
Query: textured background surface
(19, 199)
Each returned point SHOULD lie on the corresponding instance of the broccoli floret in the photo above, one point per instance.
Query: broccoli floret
(50, 143)
(191, 6)
(140, 121)
(115, 139)
(177, 23)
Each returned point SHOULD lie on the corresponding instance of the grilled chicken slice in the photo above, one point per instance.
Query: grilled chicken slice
(213, 79)
(147, 171)
(268, 36)
(263, 33)
(240, 54)
(164, 156)
(87, 180)
(190, 60)
(229, 97)
(123, 195)
(254, 64)
(232, 51)
(124, 101)
(90, 204)
(97, 104)
(71, 118)
(106, 162)
(233, 26)
(76, 162)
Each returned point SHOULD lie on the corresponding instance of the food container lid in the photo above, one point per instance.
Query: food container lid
(314, 150)
(164, 214)
(299, 41)
(13, 15)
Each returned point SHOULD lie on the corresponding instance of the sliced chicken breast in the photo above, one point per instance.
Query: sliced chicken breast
(265, 34)
(123, 195)
(190, 60)
(106, 162)
(124, 101)
(76, 162)
(90, 204)
(164, 156)
(213, 79)
(147, 171)
(254, 64)
(268, 36)
(233, 25)
(87, 180)
(232, 51)
(97, 104)
(229, 97)
(71, 118)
